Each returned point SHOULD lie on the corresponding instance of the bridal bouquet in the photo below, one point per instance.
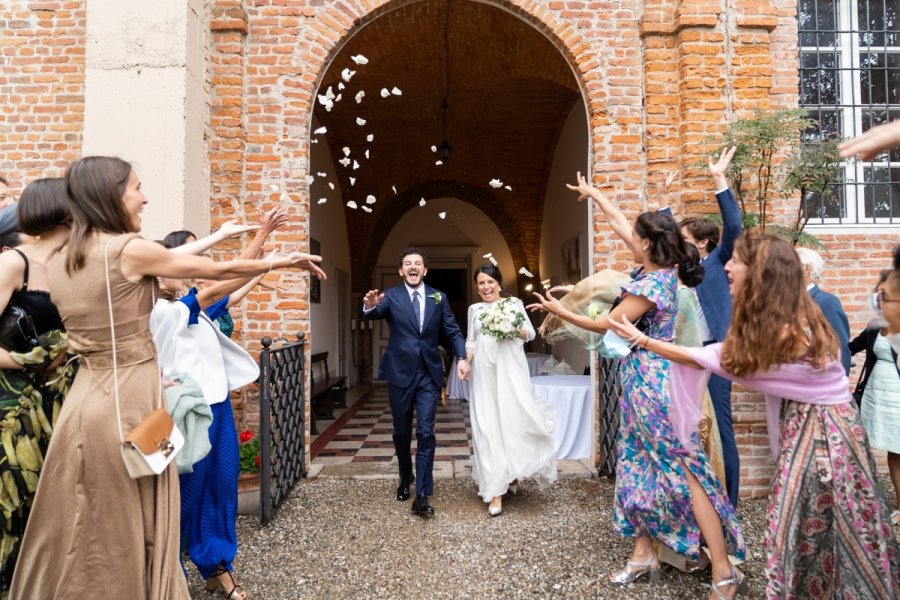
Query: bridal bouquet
(502, 319)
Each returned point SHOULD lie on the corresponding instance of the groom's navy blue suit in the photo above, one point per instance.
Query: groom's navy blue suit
(413, 369)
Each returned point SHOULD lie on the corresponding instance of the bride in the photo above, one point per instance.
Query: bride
(512, 430)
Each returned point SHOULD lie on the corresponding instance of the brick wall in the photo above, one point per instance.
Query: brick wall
(41, 88)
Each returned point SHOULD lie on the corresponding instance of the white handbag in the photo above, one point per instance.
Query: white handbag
(155, 441)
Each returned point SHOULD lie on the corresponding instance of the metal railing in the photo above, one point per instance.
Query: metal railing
(282, 425)
(610, 390)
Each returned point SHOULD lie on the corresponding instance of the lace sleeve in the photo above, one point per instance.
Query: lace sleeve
(472, 331)
(527, 326)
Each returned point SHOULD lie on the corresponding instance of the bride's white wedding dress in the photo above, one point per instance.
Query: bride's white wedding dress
(512, 429)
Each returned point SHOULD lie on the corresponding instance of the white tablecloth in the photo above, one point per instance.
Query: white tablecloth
(456, 387)
(535, 360)
(571, 396)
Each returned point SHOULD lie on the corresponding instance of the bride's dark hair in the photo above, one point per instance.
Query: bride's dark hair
(491, 271)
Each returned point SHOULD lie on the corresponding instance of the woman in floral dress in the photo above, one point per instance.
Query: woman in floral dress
(666, 489)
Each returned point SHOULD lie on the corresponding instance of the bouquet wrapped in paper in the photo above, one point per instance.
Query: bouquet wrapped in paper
(502, 319)
(592, 296)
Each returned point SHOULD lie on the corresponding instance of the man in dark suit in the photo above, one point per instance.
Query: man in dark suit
(419, 317)
(715, 304)
(830, 306)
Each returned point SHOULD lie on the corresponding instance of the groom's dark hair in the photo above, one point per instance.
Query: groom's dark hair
(413, 250)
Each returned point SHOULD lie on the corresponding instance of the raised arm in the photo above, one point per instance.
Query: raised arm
(620, 225)
(228, 229)
(873, 142)
(623, 327)
(731, 215)
(631, 306)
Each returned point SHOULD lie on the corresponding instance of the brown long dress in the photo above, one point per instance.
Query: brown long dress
(93, 530)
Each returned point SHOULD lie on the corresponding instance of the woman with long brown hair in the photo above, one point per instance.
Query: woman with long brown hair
(93, 528)
(828, 532)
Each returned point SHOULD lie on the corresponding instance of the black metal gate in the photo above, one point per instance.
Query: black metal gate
(610, 390)
(282, 427)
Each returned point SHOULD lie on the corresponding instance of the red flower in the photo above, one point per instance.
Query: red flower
(257, 461)
(245, 436)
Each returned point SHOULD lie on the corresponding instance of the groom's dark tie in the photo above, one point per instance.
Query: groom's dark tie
(417, 309)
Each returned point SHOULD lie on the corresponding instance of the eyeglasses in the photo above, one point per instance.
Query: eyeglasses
(882, 298)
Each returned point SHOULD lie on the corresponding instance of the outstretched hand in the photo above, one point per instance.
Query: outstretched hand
(565, 289)
(273, 219)
(234, 227)
(548, 304)
(307, 262)
(584, 189)
(873, 142)
(625, 329)
(372, 298)
(720, 167)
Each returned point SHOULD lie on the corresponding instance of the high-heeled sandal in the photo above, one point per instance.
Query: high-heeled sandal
(737, 579)
(635, 570)
(214, 584)
(496, 506)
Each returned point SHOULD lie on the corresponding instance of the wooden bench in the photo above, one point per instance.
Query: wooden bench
(326, 390)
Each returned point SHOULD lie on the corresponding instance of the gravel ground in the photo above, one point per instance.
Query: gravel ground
(347, 538)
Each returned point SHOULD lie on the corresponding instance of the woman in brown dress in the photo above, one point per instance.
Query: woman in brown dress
(92, 527)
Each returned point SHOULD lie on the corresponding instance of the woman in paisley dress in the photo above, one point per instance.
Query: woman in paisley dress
(33, 383)
(828, 531)
(666, 489)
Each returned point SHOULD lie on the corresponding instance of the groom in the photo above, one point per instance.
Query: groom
(418, 317)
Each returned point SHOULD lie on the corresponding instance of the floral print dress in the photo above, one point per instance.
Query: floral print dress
(652, 494)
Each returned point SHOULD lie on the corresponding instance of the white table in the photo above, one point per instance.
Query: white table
(535, 361)
(571, 396)
(456, 387)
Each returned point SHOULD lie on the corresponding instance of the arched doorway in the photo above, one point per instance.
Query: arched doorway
(437, 99)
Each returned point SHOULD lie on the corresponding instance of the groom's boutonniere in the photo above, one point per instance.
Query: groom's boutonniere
(436, 297)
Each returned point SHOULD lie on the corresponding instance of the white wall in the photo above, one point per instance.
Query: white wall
(565, 217)
(329, 227)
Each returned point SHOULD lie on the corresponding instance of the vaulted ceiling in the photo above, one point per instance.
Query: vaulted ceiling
(508, 92)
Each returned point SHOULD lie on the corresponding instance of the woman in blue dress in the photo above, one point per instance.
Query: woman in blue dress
(666, 490)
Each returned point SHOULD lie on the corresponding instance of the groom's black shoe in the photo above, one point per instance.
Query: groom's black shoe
(421, 507)
(403, 489)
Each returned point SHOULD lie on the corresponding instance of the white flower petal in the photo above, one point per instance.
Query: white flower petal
(322, 200)
(345, 162)
(434, 148)
(321, 174)
(329, 93)
(351, 204)
(370, 199)
(340, 85)
(338, 98)
(385, 92)
(422, 202)
(331, 185)
(367, 209)
(329, 106)
(320, 130)
(438, 162)
(525, 272)
(367, 153)
(360, 59)
(493, 261)
(314, 141)
(506, 187)
(352, 180)
(359, 96)
(346, 150)
(274, 187)
(360, 121)
(396, 91)
(355, 165)
(488, 255)
(442, 215)
(496, 183)
(310, 179)
(370, 137)
(347, 75)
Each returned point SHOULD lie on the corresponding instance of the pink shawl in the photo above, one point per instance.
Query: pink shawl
(798, 382)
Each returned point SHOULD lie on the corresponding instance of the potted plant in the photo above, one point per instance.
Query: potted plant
(248, 479)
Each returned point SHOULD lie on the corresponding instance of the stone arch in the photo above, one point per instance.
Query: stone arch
(408, 199)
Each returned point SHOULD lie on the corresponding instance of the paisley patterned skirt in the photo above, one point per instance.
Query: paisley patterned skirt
(828, 531)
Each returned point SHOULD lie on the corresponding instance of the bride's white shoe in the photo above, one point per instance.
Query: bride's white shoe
(496, 506)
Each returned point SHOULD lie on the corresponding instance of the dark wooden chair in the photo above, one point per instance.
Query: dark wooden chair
(326, 390)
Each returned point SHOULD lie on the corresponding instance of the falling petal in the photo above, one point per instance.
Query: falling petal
(493, 261)
(442, 215)
(438, 162)
(396, 91)
(331, 185)
(488, 255)
(322, 200)
(360, 59)
(274, 187)
(352, 180)
(422, 202)
(367, 153)
(355, 165)
(351, 204)
(345, 162)
(370, 137)
(360, 121)
(359, 96)
(329, 106)
(320, 131)
(321, 174)
(340, 85)
(338, 98)
(367, 209)
(434, 148)
(525, 272)
(310, 179)
(346, 150)
(370, 199)
(347, 75)
(385, 92)
(329, 93)
(506, 187)
(496, 183)
(314, 141)
(394, 187)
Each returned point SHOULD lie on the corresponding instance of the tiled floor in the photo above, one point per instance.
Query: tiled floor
(363, 432)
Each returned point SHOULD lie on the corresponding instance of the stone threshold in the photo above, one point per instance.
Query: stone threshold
(456, 469)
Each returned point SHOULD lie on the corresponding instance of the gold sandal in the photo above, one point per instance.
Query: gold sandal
(214, 584)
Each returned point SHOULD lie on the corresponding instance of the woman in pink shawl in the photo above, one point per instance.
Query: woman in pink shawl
(828, 532)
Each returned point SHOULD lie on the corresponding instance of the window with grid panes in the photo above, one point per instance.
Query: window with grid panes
(850, 82)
